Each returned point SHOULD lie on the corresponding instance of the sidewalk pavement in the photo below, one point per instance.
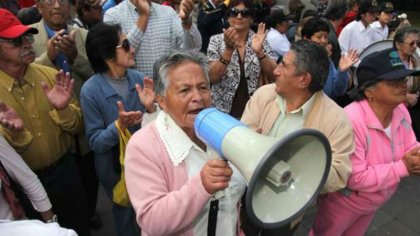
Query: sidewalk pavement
(399, 217)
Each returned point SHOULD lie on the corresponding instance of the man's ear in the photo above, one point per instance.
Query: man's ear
(305, 80)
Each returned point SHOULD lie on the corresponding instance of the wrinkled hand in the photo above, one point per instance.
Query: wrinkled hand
(60, 95)
(66, 44)
(147, 94)
(52, 51)
(142, 6)
(412, 99)
(127, 118)
(185, 9)
(348, 59)
(9, 118)
(215, 175)
(230, 35)
(258, 39)
(412, 161)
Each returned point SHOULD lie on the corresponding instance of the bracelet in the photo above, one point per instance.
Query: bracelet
(262, 58)
(224, 61)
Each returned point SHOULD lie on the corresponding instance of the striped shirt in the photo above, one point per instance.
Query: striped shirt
(164, 33)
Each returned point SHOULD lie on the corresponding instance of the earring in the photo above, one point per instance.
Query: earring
(370, 99)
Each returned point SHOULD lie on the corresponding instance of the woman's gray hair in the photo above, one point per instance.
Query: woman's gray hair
(403, 33)
(176, 58)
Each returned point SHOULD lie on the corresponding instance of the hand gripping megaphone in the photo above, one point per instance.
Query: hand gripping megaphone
(284, 176)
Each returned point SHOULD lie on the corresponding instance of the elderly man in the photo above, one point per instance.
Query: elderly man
(51, 116)
(296, 101)
(62, 46)
(155, 30)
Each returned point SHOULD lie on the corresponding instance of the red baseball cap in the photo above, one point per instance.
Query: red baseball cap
(11, 27)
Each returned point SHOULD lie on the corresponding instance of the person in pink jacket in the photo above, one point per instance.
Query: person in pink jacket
(386, 147)
(170, 178)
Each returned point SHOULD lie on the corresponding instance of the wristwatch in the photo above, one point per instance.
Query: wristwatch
(54, 219)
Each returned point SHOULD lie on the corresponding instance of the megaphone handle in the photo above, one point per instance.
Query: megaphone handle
(214, 155)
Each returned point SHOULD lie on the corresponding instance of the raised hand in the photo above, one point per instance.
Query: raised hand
(127, 118)
(143, 6)
(215, 175)
(9, 118)
(60, 95)
(258, 39)
(348, 59)
(230, 35)
(147, 94)
(185, 8)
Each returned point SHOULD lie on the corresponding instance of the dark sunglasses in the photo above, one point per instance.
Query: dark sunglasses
(235, 12)
(413, 43)
(125, 45)
(17, 42)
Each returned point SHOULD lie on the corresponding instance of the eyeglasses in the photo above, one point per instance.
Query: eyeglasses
(125, 45)
(51, 2)
(17, 42)
(235, 12)
(413, 43)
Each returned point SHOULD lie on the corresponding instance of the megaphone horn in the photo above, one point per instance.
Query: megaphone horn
(284, 176)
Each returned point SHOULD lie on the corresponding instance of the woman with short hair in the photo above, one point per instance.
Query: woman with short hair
(115, 96)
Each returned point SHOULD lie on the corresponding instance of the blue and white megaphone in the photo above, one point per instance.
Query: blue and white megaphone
(284, 176)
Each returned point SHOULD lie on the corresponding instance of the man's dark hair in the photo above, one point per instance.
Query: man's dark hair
(101, 43)
(311, 58)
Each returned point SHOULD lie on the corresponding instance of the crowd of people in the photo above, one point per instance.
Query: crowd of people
(75, 77)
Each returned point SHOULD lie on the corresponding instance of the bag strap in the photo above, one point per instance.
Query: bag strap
(211, 227)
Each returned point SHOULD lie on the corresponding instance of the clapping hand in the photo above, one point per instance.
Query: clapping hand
(258, 39)
(127, 118)
(60, 95)
(185, 8)
(348, 59)
(143, 6)
(230, 35)
(147, 94)
(9, 118)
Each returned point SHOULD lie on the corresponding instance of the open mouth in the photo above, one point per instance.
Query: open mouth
(195, 111)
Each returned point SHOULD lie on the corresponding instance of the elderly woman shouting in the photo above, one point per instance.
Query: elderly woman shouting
(170, 178)
(386, 148)
(238, 57)
(109, 100)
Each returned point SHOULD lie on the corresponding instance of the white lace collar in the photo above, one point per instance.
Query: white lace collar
(177, 143)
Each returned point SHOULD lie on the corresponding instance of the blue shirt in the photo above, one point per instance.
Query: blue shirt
(100, 111)
(337, 82)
